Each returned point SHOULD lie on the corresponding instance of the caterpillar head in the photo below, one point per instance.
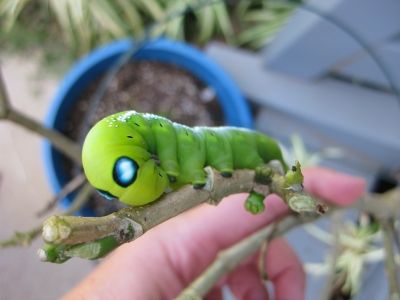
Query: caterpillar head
(117, 163)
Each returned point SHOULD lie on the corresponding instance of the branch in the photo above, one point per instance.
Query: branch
(21, 238)
(334, 278)
(390, 262)
(59, 141)
(228, 259)
(128, 224)
(62, 143)
(383, 206)
(70, 187)
(25, 238)
(66, 234)
(4, 99)
(231, 257)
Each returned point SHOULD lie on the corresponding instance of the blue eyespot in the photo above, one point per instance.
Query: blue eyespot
(106, 195)
(125, 171)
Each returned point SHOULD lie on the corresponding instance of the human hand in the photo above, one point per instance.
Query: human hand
(161, 263)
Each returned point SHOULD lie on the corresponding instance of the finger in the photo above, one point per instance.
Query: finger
(203, 232)
(214, 294)
(245, 283)
(285, 271)
(335, 187)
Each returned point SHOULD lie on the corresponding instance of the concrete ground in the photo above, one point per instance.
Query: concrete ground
(24, 190)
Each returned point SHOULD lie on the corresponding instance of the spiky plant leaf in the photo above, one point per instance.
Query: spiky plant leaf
(106, 16)
(11, 9)
(206, 23)
(132, 16)
(222, 21)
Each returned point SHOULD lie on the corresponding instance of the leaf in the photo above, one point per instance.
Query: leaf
(11, 10)
(258, 35)
(174, 19)
(259, 16)
(62, 13)
(106, 16)
(206, 23)
(223, 21)
(132, 15)
(241, 8)
(153, 8)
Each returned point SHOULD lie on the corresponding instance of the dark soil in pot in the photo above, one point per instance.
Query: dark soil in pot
(144, 86)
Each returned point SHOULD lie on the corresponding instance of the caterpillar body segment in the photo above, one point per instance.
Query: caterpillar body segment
(136, 157)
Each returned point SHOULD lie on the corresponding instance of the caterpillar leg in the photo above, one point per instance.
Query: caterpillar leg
(219, 152)
(255, 203)
(191, 156)
(166, 144)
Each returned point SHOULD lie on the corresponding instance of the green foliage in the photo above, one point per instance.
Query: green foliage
(80, 25)
(260, 20)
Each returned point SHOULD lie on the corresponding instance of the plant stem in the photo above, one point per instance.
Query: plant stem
(229, 258)
(21, 238)
(4, 100)
(261, 262)
(80, 199)
(70, 187)
(128, 224)
(26, 238)
(232, 256)
(390, 262)
(62, 143)
(146, 217)
(333, 277)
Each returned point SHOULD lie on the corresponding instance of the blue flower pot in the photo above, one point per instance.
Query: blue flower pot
(234, 106)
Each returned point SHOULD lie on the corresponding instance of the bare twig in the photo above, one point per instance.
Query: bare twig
(62, 143)
(333, 278)
(261, 261)
(129, 223)
(4, 100)
(390, 262)
(80, 199)
(70, 187)
(67, 232)
(25, 238)
(382, 206)
(146, 217)
(225, 262)
(229, 258)
(21, 238)
(395, 233)
(170, 205)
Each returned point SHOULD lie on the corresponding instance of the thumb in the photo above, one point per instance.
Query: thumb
(335, 187)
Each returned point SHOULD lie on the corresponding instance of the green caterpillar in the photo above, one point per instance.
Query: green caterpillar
(136, 157)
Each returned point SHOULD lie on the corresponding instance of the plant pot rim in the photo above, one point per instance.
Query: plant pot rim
(235, 108)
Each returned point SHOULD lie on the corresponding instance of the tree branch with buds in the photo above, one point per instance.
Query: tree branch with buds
(66, 235)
